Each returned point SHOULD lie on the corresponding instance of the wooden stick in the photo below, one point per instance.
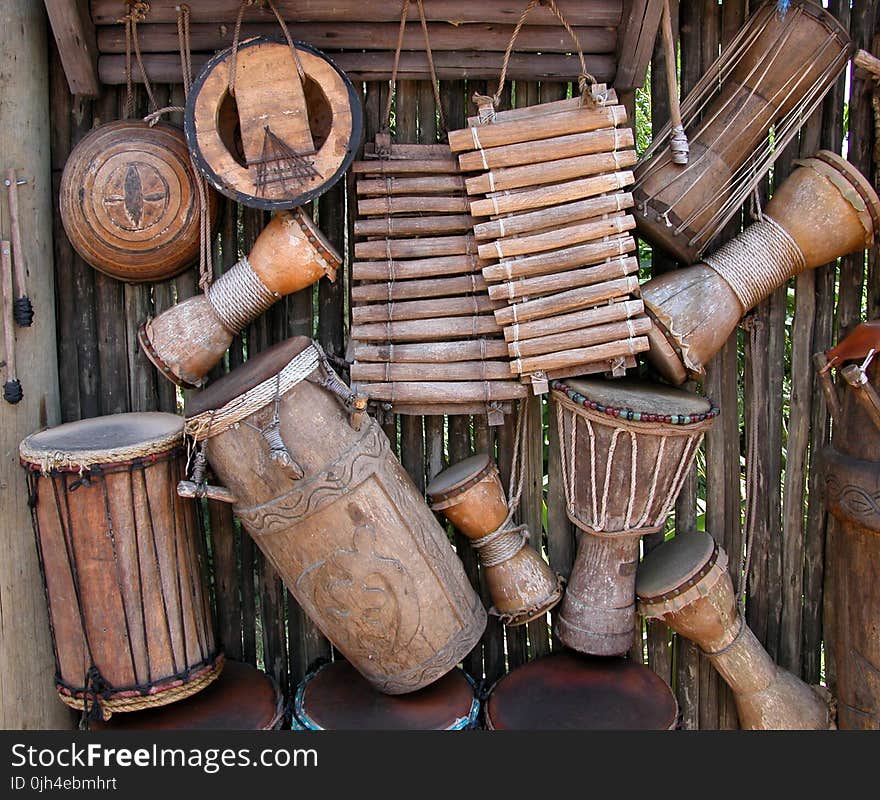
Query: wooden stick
(393, 167)
(559, 281)
(425, 247)
(562, 237)
(865, 393)
(678, 143)
(414, 226)
(867, 62)
(552, 217)
(190, 490)
(12, 387)
(451, 409)
(566, 301)
(23, 309)
(411, 290)
(548, 263)
(622, 309)
(575, 144)
(427, 330)
(454, 371)
(404, 151)
(550, 171)
(464, 306)
(616, 365)
(509, 203)
(439, 204)
(434, 184)
(578, 120)
(583, 355)
(414, 268)
(586, 337)
(541, 110)
(433, 353)
(452, 392)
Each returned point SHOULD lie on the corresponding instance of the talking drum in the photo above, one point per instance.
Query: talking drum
(129, 201)
(520, 583)
(241, 699)
(685, 583)
(774, 74)
(337, 516)
(335, 697)
(825, 209)
(122, 561)
(627, 447)
(568, 691)
(186, 341)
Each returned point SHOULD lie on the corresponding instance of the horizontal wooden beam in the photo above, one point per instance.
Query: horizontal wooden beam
(75, 37)
(375, 66)
(162, 38)
(577, 12)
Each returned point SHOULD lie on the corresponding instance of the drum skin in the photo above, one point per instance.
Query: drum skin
(129, 201)
(353, 539)
(336, 697)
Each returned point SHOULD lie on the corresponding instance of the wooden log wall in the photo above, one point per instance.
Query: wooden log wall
(103, 371)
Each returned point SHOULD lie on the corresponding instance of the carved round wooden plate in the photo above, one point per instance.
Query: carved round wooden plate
(129, 202)
(277, 141)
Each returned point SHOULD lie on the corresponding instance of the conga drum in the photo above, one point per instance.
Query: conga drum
(825, 209)
(123, 563)
(336, 515)
(773, 75)
(569, 691)
(241, 699)
(335, 697)
(521, 584)
(129, 201)
(685, 583)
(627, 447)
(186, 341)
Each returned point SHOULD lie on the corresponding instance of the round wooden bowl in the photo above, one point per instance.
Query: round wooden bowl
(129, 203)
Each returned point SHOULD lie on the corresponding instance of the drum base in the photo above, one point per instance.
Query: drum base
(616, 640)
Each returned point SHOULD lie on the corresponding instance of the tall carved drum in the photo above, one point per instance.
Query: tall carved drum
(685, 583)
(123, 563)
(333, 510)
(627, 447)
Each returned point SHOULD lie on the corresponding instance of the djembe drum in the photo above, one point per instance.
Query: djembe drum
(825, 209)
(122, 561)
(187, 340)
(521, 584)
(335, 513)
(568, 691)
(685, 583)
(627, 447)
(335, 697)
(774, 74)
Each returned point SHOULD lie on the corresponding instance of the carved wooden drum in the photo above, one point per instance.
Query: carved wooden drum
(335, 697)
(568, 691)
(129, 201)
(521, 584)
(123, 563)
(627, 447)
(337, 516)
(685, 583)
(241, 699)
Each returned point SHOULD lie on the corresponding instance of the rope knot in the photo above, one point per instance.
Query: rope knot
(278, 452)
(137, 12)
(585, 86)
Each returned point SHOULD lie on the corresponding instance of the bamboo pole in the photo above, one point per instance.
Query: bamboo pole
(466, 305)
(613, 312)
(597, 276)
(432, 353)
(547, 263)
(415, 268)
(410, 290)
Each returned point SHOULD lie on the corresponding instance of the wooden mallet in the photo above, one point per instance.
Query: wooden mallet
(23, 310)
(12, 392)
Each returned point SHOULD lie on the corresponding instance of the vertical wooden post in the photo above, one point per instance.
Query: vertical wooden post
(27, 666)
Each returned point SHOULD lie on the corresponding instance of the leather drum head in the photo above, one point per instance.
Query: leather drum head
(641, 396)
(458, 476)
(337, 697)
(241, 699)
(669, 566)
(569, 691)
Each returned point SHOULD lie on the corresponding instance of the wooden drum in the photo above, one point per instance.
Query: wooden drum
(335, 513)
(685, 583)
(186, 341)
(335, 697)
(627, 447)
(123, 563)
(521, 584)
(568, 691)
(129, 201)
(241, 699)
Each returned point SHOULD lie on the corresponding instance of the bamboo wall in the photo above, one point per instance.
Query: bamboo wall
(103, 371)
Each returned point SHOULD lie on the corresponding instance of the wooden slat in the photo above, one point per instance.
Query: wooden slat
(75, 37)
(636, 41)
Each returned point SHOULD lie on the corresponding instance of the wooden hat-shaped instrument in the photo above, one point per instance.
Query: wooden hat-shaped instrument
(272, 124)
(188, 339)
(685, 583)
(825, 209)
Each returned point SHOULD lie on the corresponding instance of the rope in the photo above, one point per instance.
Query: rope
(501, 545)
(137, 12)
(239, 296)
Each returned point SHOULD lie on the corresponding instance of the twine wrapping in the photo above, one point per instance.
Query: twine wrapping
(238, 296)
(501, 545)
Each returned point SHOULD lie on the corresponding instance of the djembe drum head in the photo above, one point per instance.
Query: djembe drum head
(241, 699)
(458, 478)
(129, 201)
(568, 691)
(676, 565)
(337, 697)
(650, 401)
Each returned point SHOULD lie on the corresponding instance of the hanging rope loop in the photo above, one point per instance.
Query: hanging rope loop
(137, 12)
